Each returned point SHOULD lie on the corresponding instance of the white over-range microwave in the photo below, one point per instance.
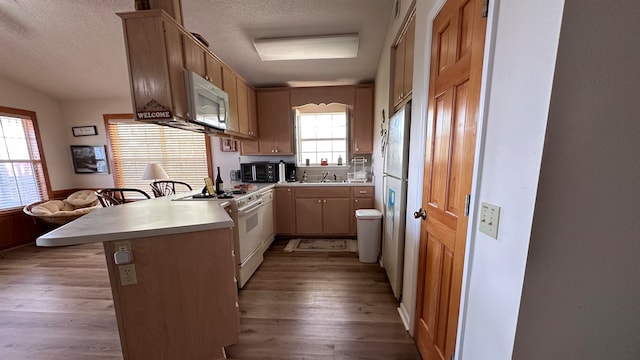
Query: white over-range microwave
(207, 104)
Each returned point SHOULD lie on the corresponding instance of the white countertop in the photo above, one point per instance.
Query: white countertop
(159, 216)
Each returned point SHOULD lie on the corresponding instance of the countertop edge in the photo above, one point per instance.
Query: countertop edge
(79, 240)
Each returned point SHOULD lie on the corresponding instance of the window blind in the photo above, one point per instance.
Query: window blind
(22, 179)
(182, 154)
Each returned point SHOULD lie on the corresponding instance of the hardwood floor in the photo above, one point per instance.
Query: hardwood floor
(303, 305)
(55, 303)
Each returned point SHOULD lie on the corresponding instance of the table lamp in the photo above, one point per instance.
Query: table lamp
(154, 171)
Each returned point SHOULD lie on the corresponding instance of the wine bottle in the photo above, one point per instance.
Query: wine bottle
(219, 182)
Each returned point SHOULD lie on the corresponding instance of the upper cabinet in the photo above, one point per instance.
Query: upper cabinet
(213, 71)
(275, 105)
(230, 87)
(276, 122)
(156, 65)
(159, 50)
(362, 121)
(403, 64)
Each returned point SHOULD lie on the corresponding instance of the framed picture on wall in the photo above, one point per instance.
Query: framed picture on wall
(89, 159)
(84, 130)
(228, 145)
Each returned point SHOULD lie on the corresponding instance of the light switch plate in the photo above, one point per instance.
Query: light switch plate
(489, 219)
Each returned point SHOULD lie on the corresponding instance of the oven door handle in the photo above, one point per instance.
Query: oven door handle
(250, 209)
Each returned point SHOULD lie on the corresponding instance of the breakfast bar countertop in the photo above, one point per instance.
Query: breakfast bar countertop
(145, 218)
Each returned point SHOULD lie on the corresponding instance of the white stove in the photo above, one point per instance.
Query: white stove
(253, 233)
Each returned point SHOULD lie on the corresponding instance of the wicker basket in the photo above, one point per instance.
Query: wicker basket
(55, 219)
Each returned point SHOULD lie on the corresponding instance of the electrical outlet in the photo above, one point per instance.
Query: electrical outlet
(127, 274)
(489, 219)
(123, 246)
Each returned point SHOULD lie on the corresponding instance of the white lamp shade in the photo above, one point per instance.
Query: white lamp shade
(154, 171)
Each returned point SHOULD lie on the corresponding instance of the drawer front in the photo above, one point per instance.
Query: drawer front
(323, 192)
(362, 191)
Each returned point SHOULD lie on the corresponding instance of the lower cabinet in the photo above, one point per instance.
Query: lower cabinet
(284, 211)
(320, 210)
(322, 216)
(323, 210)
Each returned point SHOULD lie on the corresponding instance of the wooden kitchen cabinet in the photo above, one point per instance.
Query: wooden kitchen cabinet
(153, 42)
(403, 64)
(276, 122)
(322, 210)
(253, 112)
(335, 216)
(247, 117)
(213, 71)
(194, 56)
(309, 216)
(362, 121)
(186, 292)
(363, 198)
(229, 85)
(284, 211)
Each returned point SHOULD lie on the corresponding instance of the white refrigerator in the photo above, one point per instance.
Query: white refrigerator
(396, 168)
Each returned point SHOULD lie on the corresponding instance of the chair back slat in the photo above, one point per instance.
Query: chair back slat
(116, 196)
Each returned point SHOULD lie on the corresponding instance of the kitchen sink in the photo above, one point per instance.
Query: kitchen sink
(324, 182)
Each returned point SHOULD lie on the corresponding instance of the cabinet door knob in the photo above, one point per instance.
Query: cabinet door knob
(276, 150)
(356, 200)
(324, 201)
(289, 190)
(273, 150)
(319, 201)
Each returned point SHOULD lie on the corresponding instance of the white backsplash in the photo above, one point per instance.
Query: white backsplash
(228, 161)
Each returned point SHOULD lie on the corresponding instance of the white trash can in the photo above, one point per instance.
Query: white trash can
(369, 225)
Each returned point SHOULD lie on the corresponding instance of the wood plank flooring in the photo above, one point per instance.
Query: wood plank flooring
(55, 303)
(319, 305)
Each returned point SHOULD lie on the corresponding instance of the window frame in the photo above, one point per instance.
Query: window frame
(297, 131)
(30, 115)
(109, 117)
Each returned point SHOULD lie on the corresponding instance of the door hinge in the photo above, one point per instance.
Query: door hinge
(485, 9)
(453, 355)
(467, 202)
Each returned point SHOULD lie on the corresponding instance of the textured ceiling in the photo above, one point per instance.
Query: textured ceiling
(74, 49)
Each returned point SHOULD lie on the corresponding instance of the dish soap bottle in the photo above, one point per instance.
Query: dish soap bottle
(304, 176)
(339, 159)
(219, 183)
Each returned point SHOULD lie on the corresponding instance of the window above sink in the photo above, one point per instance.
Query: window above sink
(322, 135)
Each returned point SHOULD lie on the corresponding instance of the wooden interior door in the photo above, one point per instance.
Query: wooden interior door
(454, 91)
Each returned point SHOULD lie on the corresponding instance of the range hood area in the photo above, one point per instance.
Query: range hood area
(187, 125)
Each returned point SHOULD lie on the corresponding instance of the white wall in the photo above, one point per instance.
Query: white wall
(85, 113)
(520, 60)
(52, 126)
(581, 295)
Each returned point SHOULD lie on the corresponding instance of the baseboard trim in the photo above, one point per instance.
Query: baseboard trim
(404, 315)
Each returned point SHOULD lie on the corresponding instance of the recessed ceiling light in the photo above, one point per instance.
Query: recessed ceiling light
(308, 47)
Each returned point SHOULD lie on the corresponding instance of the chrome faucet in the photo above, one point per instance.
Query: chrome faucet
(324, 176)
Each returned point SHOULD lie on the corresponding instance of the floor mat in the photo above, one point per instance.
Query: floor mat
(337, 245)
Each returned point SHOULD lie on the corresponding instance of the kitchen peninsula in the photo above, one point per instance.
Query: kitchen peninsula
(175, 296)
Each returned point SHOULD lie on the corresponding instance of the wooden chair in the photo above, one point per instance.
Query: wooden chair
(167, 187)
(116, 196)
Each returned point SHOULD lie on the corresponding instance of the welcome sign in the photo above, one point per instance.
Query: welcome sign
(153, 111)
